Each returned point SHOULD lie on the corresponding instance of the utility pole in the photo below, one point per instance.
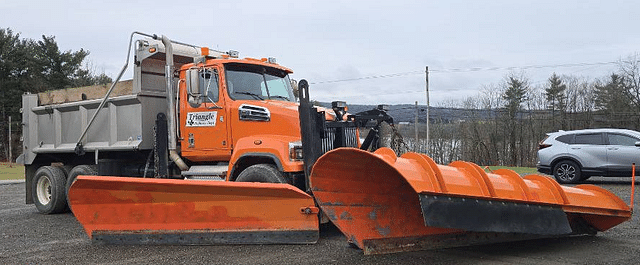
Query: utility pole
(10, 155)
(427, 82)
(415, 146)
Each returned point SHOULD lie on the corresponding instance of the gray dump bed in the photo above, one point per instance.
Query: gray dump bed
(54, 121)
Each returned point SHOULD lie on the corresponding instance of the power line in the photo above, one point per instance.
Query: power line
(367, 77)
(465, 70)
(478, 69)
(384, 94)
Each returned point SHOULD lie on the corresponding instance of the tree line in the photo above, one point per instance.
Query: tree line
(34, 66)
(504, 123)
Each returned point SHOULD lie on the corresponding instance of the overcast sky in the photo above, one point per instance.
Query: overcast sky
(326, 41)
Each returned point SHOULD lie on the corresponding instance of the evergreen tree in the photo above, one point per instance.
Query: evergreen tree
(612, 97)
(556, 98)
(36, 66)
(514, 95)
(59, 69)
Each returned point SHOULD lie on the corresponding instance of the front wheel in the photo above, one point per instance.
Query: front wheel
(265, 173)
(48, 190)
(567, 172)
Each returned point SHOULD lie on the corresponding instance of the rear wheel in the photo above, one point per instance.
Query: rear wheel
(265, 173)
(567, 172)
(84, 170)
(48, 190)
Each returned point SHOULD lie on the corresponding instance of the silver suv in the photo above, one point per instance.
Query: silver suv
(573, 156)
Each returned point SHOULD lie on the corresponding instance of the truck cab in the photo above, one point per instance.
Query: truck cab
(242, 112)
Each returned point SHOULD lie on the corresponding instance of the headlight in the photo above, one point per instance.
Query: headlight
(295, 151)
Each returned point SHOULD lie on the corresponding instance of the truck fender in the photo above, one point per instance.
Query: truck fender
(259, 158)
(261, 149)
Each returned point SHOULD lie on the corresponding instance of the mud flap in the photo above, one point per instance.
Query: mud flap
(119, 210)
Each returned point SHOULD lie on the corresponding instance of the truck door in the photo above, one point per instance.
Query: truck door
(204, 117)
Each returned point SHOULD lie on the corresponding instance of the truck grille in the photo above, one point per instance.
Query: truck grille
(253, 113)
(329, 141)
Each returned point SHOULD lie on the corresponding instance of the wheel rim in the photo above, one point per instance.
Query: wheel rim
(43, 190)
(566, 172)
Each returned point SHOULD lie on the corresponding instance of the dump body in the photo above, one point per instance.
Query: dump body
(125, 124)
(54, 120)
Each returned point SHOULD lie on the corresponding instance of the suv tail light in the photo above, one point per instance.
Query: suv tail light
(542, 145)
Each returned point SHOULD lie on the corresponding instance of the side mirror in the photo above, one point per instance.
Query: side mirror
(194, 90)
(193, 83)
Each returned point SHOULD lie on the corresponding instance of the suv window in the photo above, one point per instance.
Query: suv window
(567, 139)
(620, 139)
(589, 138)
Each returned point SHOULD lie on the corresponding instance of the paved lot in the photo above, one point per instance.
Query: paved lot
(27, 237)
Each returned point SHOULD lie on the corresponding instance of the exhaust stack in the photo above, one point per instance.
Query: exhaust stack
(171, 105)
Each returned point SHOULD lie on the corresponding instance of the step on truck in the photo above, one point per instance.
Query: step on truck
(202, 147)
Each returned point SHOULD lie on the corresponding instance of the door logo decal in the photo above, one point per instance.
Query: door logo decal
(201, 119)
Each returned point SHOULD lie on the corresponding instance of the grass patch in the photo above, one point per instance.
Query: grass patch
(523, 171)
(11, 171)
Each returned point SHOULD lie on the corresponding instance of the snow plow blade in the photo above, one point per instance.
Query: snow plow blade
(384, 203)
(120, 210)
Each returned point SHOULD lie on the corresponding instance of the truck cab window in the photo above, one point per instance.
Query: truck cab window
(251, 82)
(208, 79)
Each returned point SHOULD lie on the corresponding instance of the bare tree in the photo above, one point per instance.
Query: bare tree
(629, 70)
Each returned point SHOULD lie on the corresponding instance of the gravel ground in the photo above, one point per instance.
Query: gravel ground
(27, 237)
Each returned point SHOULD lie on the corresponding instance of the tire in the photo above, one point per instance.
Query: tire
(264, 173)
(48, 190)
(567, 172)
(66, 169)
(85, 170)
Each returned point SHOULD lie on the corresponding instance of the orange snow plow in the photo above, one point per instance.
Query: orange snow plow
(384, 204)
(164, 211)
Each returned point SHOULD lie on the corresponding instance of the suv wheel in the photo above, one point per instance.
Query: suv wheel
(567, 171)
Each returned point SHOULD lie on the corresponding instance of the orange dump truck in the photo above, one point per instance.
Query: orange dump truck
(202, 147)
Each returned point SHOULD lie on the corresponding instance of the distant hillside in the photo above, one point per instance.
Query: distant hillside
(406, 113)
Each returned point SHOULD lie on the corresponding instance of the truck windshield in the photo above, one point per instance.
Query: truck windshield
(256, 82)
